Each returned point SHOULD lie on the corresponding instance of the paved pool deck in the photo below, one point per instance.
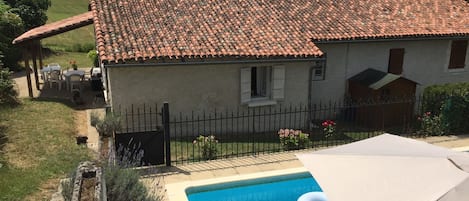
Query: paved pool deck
(168, 177)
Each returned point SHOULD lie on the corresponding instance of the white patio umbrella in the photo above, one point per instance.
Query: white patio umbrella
(390, 168)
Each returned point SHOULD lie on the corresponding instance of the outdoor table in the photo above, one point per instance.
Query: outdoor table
(69, 73)
(46, 70)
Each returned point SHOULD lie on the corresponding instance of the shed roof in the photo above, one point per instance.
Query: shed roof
(55, 28)
(375, 79)
(136, 29)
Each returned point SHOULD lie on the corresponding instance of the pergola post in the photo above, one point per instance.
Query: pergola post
(34, 54)
(40, 54)
(28, 72)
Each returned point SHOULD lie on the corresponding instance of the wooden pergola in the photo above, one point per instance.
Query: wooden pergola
(30, 42)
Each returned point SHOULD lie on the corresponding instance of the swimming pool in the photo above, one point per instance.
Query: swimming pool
(279, 188)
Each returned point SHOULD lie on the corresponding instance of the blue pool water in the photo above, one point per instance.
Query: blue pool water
(280, 188)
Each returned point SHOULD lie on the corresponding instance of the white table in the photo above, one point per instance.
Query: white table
(46, 70)
(49, 69)
(69, 73)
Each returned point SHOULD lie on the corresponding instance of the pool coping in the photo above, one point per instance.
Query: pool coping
(177, 191)
(466, 148)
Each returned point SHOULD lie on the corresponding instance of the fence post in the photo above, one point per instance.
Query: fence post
(166, 133)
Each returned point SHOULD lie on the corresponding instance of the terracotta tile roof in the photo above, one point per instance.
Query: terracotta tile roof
(387, 19)
(55, 28)
(172, 29)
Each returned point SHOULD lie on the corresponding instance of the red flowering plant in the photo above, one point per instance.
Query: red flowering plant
(328, 128)
(73, 63)
(431, 124)
(293, 139)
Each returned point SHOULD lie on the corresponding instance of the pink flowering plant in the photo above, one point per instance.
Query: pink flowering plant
(431, 124)
(207, 145)
(293, 139)
(328, 128)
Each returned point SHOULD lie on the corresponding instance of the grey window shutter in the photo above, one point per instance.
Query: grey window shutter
(245, 85)
(278, 82)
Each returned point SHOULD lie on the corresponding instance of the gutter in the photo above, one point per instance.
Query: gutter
(389, 39)
(212, 62)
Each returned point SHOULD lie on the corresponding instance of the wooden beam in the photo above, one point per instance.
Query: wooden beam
(40, 55)
(28, 72)
(34, 55)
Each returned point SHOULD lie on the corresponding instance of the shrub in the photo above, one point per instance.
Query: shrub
(293, 139)
(107, 126)
(67, 186)
(328, 128)
(8, 94)
(93, 55)
(122, 182)
(431, 124)
(455, 112)
(434, 96)
(208, 146)
(94, 119)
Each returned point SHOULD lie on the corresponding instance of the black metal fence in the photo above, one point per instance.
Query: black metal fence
(250, 131)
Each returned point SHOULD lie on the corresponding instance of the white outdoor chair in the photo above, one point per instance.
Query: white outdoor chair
(55, 77)
(75, 83)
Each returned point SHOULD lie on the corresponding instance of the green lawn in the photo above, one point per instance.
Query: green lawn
(74, 40)
(37, 144)
(63, 58)
(185, 151)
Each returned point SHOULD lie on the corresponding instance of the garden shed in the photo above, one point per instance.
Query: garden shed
(373, 86)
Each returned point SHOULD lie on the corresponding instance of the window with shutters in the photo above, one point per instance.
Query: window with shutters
(260, 82)
(396, 60)
(262, 85)
(457, 57)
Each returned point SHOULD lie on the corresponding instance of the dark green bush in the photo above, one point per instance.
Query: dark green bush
(455, 113)
(8, 94)
(434, 96)
(451, 103)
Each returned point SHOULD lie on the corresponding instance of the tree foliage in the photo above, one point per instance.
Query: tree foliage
(17, 16)
(11, 26)
(8, 94)
(32, 12)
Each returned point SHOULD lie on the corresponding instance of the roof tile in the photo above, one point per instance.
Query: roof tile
(148, 29)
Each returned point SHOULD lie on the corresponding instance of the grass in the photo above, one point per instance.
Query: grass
(73, 40)
(186, 151)
(64, 58)
(39, 146)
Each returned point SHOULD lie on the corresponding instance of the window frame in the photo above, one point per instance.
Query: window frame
(267, 79)
(275, 85)
(451, 67)
(392, 67)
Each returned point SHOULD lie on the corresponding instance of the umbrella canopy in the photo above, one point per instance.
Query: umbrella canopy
(390, 168)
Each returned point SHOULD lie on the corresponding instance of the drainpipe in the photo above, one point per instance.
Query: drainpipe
(310, 82)
(310, 87)
(346, 68)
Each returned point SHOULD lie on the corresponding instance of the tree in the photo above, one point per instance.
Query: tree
(11, 26)
(32, 12)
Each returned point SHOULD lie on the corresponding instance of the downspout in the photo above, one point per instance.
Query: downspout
(346, 69)
(310, 80)
(310, 88)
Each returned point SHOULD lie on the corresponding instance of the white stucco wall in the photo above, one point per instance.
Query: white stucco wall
(425, 62)
(196, 87)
